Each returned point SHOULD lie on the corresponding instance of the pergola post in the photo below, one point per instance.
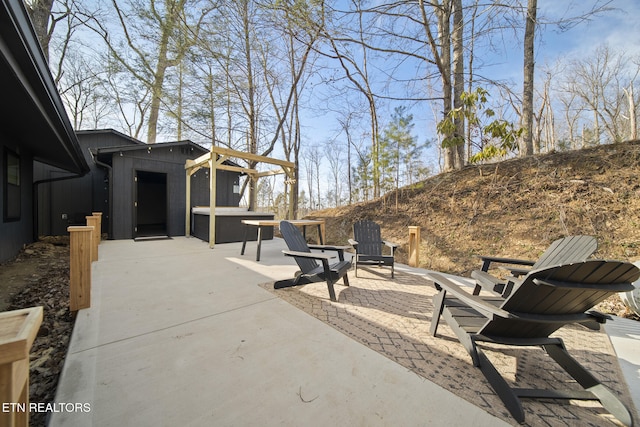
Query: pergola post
(212, 201)
(187, 216)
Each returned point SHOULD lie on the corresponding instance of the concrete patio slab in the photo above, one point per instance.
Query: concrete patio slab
(179, 334)
(625, 337)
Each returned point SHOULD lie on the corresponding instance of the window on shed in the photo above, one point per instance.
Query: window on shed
(11, 186)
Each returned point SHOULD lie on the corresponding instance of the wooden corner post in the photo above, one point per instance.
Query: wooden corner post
(414, 246)
(92, 222)
(18, 330)
(97, 233)
(80, 242)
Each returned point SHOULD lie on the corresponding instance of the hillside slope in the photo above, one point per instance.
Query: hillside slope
(514, 208)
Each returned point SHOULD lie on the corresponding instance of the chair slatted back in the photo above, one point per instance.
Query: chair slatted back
(295, 242)
(567, 250)
(367, 234)
(550, 297)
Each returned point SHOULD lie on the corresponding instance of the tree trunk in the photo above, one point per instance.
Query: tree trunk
(40, 11)
(458, 78)
(443, 61)
(252, 143)
(526, 144)
(633, 127)
(159, 74)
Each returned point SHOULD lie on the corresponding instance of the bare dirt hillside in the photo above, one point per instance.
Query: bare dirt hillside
(514, 208)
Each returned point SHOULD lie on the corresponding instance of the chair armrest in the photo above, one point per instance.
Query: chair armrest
(311, 255)
(485, 308)
(516, 271)
(339, 249)
(392, 247)
(329, 247)
(485, 281)
(353, 243)
(487, 260)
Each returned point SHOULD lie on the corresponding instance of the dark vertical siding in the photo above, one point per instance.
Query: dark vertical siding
(15, 234)
(122, 197)
(68, 202)
(169, 160)
(225, 181)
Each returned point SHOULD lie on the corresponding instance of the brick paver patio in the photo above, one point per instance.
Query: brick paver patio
(392, 316)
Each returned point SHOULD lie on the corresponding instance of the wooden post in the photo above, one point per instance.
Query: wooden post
(323, 238)
(92, 221)
(80, 238)
(97, 233)
(414, 246)
(187, 213)
(18, 330)
(212, 201)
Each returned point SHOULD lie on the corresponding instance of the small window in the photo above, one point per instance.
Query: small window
(12, 186)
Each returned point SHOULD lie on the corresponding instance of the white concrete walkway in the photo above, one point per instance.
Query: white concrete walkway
(180, 335)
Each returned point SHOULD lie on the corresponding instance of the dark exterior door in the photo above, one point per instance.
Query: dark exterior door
(150, 204)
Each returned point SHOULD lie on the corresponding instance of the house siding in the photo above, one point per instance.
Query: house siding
(14, 234)
(159, 160)
(68, 202)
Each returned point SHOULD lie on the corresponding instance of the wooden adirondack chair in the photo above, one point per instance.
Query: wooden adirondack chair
(310, 269)
(562, 251)
(368, 243)
(546, 300)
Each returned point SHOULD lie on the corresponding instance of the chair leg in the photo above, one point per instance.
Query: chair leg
(392, 270)
(438, 306)
(500, 386)
(332, 292)
(608, 400)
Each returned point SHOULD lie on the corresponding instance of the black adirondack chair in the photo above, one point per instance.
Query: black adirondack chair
(367, 242)
(314, 266)
(562, 251)
(546, 300)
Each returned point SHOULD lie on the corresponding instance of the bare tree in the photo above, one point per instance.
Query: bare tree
(333, 154)
(526, 143)
(599, 82)
(355, 65)
(158, 35)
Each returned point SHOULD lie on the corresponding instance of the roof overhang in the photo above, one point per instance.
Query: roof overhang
(31, 111)
(105, 154)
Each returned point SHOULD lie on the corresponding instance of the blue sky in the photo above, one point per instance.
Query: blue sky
(619, 28)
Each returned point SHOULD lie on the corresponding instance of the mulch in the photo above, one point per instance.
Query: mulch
(40, 277)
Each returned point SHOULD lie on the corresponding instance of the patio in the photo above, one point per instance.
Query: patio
(179, 334)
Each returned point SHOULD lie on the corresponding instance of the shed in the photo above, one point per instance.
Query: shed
(147, 188)
(138, 187)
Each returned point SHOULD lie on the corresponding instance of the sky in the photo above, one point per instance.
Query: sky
(620, 28)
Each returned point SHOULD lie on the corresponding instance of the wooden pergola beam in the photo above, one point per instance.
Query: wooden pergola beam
(213, 163)
(270, 173)
(249, 156)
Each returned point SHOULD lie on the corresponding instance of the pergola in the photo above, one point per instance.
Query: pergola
(214, 160)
